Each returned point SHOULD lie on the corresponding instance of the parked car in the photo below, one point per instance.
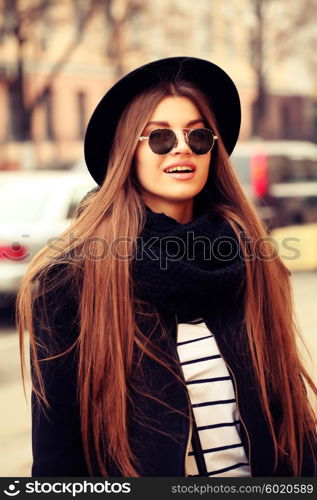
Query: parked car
(34, 207)
(280, 177)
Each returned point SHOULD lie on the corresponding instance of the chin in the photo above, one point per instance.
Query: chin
(185, 194)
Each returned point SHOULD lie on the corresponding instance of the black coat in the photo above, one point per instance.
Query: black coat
(56, 438)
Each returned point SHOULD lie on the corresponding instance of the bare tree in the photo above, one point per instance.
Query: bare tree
(118, 14)
(18, 22)
(278, 28)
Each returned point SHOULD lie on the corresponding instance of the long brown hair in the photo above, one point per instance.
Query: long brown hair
(108, 328)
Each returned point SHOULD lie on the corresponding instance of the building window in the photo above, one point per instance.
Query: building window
(9, 14)
(14, 115)
(285, 121)
(81, 106)
(48, 131)
(314, 122)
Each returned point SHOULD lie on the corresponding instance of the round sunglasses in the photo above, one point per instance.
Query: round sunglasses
(163, 140)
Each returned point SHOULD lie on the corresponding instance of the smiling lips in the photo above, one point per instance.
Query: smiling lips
(181, 171)
(181, 168)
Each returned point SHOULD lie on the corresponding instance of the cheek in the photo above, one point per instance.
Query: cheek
(205, 165)
(146, 166)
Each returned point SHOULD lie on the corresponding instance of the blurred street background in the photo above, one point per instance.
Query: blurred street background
(59, 57)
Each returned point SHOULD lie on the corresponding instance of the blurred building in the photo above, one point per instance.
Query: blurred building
(57, 61)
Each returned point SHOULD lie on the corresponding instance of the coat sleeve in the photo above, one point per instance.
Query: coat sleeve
(56, 437)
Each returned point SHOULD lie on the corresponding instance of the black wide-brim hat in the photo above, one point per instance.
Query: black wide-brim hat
(207, 76)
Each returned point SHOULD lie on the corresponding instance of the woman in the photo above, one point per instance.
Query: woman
(162, 335)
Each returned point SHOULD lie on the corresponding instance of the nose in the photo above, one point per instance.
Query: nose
(181, 144)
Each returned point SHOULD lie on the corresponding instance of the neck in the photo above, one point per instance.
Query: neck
(182, 212)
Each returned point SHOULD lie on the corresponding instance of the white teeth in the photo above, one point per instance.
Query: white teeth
(179, 169)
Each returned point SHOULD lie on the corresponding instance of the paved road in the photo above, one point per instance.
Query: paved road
(15, 436)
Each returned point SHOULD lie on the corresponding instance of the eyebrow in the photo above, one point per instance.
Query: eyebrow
(192, 122)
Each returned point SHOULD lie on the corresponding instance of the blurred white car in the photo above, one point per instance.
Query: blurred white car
(280, 177)
(35, 206)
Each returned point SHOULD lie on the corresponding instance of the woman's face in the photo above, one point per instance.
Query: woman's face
(159, 187)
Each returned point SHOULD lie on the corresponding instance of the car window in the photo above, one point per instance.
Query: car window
(281, 169)
(288, 169)
(19, 204)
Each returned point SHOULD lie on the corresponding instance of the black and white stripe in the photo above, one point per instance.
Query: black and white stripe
(213, 401)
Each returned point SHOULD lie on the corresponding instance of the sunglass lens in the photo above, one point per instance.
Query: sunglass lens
(162, 141)
(201, 141)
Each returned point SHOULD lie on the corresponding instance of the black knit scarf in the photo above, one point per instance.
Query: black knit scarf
(188, 269)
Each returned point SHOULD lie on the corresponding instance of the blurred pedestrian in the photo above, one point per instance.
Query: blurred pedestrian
(162, 336)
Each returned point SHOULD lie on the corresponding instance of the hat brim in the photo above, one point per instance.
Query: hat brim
(218, 87)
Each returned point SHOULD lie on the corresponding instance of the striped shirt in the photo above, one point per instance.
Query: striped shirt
(213, 403)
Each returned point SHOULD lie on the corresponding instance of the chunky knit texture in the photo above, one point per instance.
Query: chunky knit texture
(187, 269)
